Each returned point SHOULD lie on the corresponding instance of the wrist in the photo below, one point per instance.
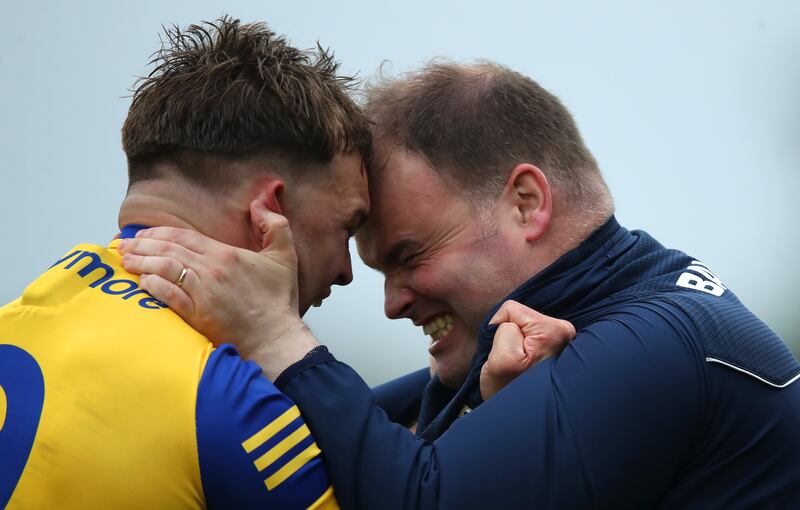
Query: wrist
(491, 382)
(277, 352)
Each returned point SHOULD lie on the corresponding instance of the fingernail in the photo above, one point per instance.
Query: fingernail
(122, 244)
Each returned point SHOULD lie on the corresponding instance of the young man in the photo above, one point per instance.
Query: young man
(107, 398)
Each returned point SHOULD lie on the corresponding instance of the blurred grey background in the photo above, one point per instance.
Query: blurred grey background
(691, 108)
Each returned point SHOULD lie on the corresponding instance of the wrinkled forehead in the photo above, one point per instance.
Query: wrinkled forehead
(405, 197)
(385, 217)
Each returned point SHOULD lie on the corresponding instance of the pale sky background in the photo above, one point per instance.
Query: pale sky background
(692, 109)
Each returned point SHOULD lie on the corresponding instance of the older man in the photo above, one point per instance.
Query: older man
(672, 395)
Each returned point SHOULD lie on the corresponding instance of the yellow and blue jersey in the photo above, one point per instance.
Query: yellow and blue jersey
(109, 400)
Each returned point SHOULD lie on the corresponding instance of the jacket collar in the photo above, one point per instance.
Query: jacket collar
(578, 286)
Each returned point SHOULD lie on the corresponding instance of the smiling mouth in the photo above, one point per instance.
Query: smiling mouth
(439, 327)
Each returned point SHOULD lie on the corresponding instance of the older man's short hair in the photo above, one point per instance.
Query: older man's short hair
(474, 123)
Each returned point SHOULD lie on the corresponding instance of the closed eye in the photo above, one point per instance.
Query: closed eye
(410, 259)
(396, 254)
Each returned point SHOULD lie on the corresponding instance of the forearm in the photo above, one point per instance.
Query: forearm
(373, 463)
(485, 460)
(565, 434)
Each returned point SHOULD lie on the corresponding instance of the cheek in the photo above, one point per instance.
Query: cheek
(449, 283)
(312, 258)
(430, 281)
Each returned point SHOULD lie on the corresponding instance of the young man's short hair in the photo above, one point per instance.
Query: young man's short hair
(224, 91)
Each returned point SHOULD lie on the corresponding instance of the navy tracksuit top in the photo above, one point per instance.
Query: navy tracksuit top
(672, 395)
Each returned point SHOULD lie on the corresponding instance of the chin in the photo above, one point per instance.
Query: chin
(451, 378)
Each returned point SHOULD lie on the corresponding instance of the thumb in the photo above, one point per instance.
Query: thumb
(275, 231)
(503, 364)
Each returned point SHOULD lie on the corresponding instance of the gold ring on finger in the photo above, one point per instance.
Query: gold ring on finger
(182, 277)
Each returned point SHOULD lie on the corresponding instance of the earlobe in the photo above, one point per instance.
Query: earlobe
(530, 193)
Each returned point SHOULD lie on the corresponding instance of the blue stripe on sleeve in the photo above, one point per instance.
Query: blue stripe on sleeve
(255, 450)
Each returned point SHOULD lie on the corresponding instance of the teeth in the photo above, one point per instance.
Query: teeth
(439, 327)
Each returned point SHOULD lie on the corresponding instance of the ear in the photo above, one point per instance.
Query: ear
(528, 200)
(270, 193)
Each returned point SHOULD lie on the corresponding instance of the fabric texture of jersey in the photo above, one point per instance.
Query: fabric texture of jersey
(672, 395)
(109, 400)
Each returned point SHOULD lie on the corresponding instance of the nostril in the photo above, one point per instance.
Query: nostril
(404, 309)
(398, 302)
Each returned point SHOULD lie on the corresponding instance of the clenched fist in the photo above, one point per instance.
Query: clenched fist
(524, 337)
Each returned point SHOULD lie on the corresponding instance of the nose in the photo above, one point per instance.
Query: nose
(345, 276)
(398, 300)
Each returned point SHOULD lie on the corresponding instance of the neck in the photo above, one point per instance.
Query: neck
(160, 203)
(565, 233)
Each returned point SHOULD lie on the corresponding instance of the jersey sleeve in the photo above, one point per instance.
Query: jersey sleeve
(606, 424)
(254, 449)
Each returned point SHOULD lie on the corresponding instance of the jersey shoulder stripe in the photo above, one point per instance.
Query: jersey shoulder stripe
(255, 449)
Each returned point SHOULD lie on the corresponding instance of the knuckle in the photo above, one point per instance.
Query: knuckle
(170, 294)
(163, 267)
(131, 247)
(514, 305)
(229, 256)
(181, 302)
(171, 235)
(175, 236)
(162, 249)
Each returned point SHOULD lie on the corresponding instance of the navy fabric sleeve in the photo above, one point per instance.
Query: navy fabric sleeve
(255, 451)
(606, 425)
(400, 398)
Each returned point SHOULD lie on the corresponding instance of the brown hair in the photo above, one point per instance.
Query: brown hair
(222, 91)
(474, 123)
